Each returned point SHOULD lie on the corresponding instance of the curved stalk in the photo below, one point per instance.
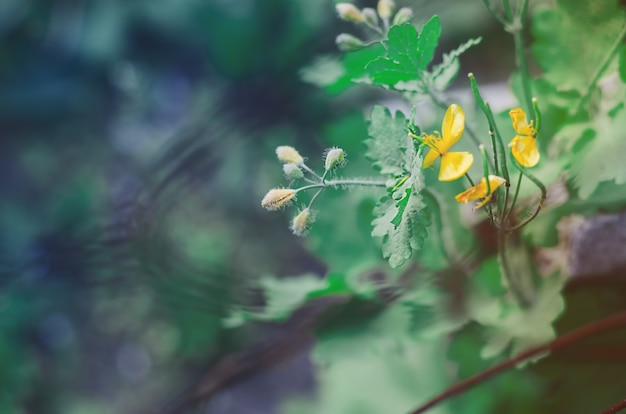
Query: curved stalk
(611, 322)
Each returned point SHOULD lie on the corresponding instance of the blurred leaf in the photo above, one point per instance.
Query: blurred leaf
(335, 76)
(568, 46)
(598, 158)
(512, 328)
(367, 363)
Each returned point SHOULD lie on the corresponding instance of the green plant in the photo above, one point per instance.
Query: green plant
(506, 301)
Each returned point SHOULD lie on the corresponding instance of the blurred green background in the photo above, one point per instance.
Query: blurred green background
(136, 141)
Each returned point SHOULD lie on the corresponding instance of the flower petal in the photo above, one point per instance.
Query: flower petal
(480, 191)
(520, 122)
(430, 158)
(452, 127)
(473, 193)
(524, 150)
(454, 165)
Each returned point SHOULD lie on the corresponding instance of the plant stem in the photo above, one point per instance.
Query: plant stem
(611, 322)
(320, 191)
(605, 63)
(493, 128)
(508, 212)
(506, 268)
(544, 194)
(310, 171)
(335, 183)
(518, 37)
(615, 408)
(493, 12)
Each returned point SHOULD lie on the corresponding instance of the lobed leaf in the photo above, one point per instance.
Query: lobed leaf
(408, 54)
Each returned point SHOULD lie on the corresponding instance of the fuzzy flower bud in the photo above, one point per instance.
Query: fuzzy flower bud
(404, 15)
(347, 42)
(277, 198)
(302, 222)
(385, 8)
(349, 12)
(370, 16)
(335, 157)
(289, 154)
(292, 171)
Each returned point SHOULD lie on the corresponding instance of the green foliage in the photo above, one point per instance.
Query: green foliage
(401, 217)
(338, 75)
(510, 326)
(407, 54)
(400, 62)
(597, 153)
(568, 45)
(368, 363)
(622, 63)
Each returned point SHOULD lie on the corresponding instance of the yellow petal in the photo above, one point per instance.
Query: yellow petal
(480, 191)
(452, 126)
(520, 122)
(454, 165)
(524, 150)
(430, 158)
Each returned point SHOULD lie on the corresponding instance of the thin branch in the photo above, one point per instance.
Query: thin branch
(615, 408)
(614, 321)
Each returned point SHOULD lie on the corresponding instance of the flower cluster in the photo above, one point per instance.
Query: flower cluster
(295, 169)
(454, 165)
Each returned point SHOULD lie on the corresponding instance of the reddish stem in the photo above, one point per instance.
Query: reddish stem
(610, 322)
(615, 408)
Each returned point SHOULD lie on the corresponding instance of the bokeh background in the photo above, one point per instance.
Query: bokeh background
(136, 141)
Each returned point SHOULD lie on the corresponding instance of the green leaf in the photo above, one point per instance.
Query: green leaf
(509, 326)
(569, 47)
(408, 54)
(401, 205)
(402, 217)
(368, 363)
(387, 137)
(598, 154)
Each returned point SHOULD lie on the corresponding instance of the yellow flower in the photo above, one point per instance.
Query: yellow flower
(453, 164)
(480, 191)
(524, 144)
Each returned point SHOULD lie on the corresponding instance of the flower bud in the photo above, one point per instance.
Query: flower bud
(348, 42)
(277, 198)
(289, 154)
(370, 16)
(404, 15)
(349, 12)
(292, 171)
(335, 157)
(302, 222)
(385, 8)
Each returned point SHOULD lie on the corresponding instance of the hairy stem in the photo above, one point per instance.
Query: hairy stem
(349, 182)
